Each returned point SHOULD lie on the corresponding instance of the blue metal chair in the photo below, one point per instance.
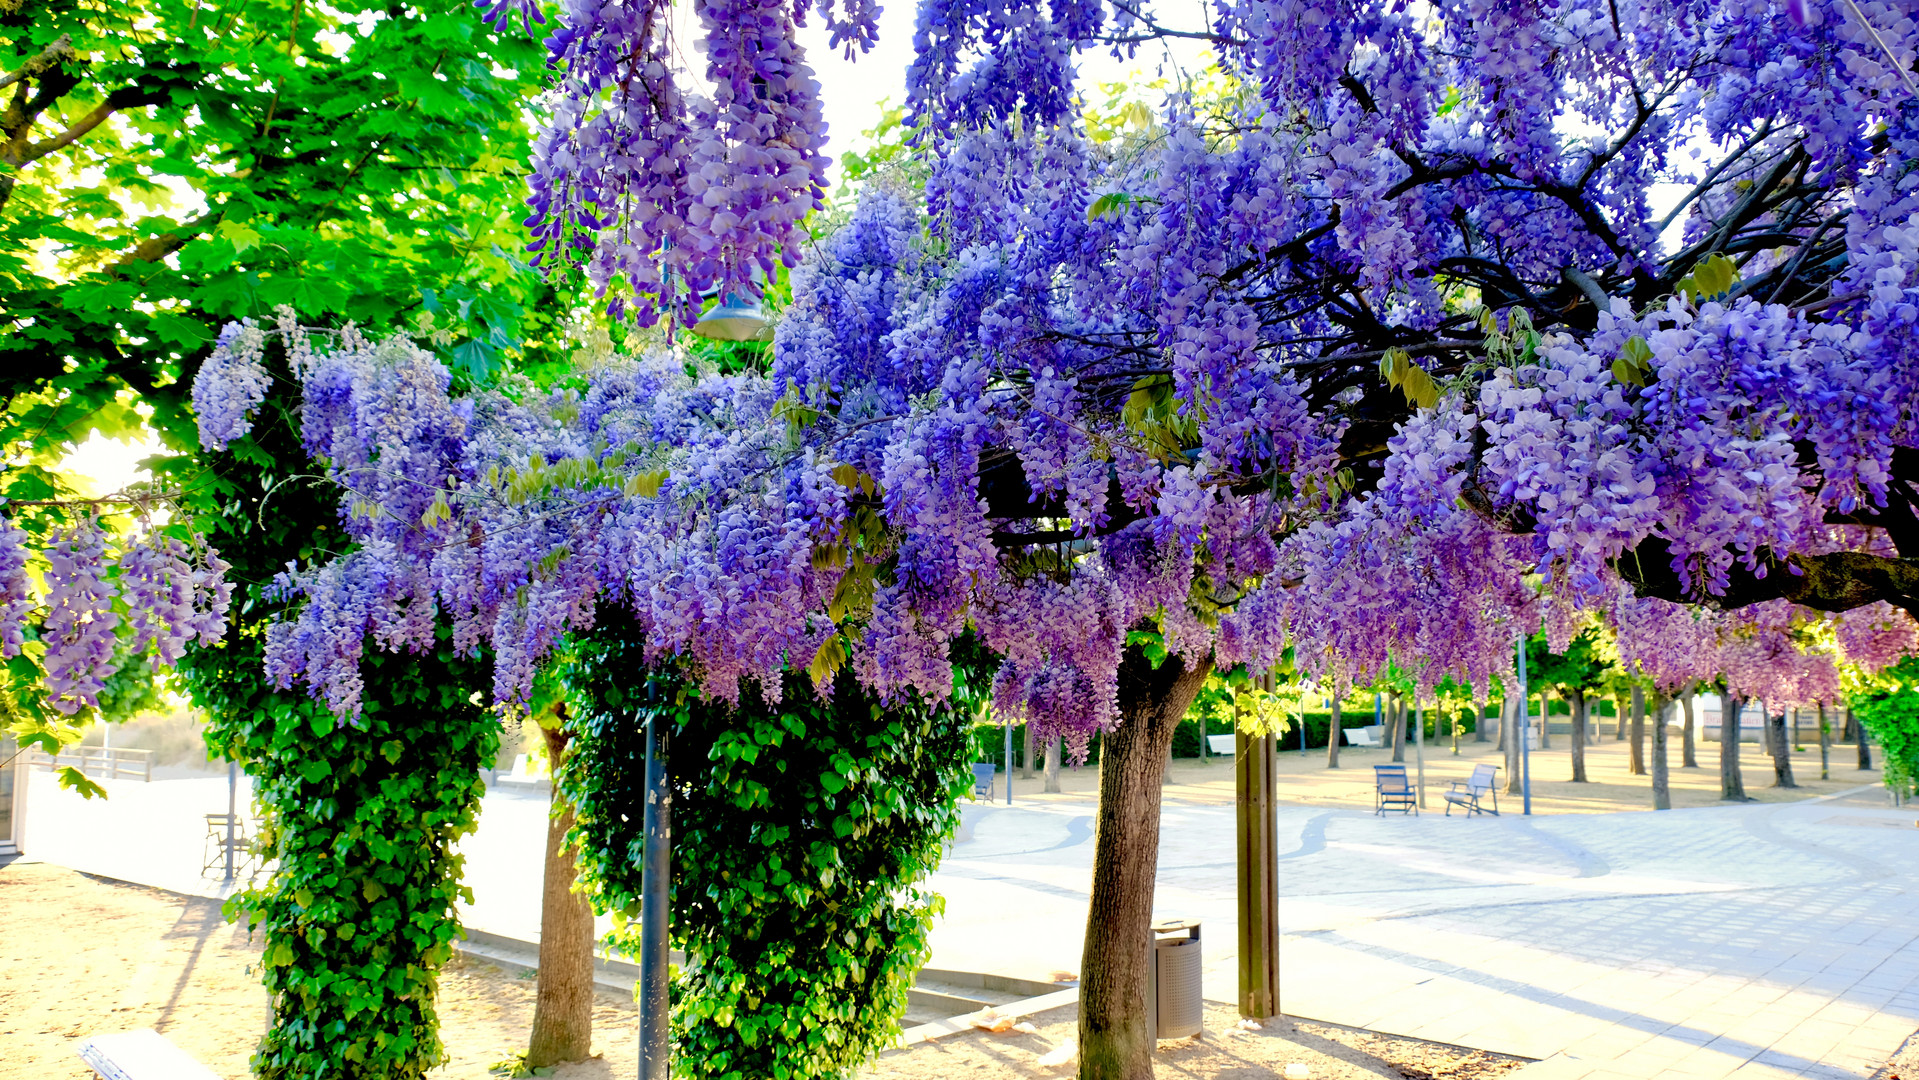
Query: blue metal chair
(1393, 791)
(1477, 786)
(983, 780)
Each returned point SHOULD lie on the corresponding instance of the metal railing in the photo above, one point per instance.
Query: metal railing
(112, 762)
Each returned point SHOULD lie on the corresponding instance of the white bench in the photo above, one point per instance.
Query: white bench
(1366, 736)
(141, 1055)
(1221, 744)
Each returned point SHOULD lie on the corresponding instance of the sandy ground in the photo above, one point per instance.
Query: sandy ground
(150, 958)
(1226, 1052)
(1306, 779)
(80, 955)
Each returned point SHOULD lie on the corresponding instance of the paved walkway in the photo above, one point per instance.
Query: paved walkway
(1760, 941)
(1757, 941)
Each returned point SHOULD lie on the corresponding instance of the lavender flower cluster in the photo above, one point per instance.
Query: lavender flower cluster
(1078, 392)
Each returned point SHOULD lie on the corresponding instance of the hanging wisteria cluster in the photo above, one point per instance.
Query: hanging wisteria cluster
(662, 194)
(1380, 363)
(167, 594)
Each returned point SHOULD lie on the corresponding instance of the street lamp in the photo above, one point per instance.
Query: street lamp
(734, 319)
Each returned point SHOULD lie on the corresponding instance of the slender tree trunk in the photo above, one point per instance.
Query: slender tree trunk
(1781, 751)
(1661, 789)
(1115, 1042)
(1053, 749)
(1688, 757)
(1732, 785)
(1618, 718)
(1332, 737)
(563, 995)
(1512, 728)
(1500, 724)
(1637, 765)
(1396, 721)
(1576, 705)
(1765, 728)
(1479, 720)
(1026, 752)
(1545, 721)
(1862, 737)
(1796, 744)
(1825, 744)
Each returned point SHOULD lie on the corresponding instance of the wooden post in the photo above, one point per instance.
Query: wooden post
(1253, 764)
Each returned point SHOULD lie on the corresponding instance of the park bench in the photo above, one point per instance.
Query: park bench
(1392, 791)
(1221, 744)
(1370, 735)
(983, 780)
(141, 1055)
(1477, 786)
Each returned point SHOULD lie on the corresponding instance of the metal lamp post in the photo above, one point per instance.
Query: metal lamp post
(1525, 733)
(654, 900)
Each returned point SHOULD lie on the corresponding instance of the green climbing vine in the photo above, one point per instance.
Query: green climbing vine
(1889, 708)
(802, 836)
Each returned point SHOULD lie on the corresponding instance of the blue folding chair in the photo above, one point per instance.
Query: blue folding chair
(1393, 791)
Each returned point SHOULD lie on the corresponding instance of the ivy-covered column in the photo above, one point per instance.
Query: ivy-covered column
(802, 836)
(358, 917)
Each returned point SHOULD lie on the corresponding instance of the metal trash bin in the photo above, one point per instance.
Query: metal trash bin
(1178, 1010)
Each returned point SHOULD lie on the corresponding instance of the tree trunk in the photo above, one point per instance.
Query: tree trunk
(1576, 705)
(1688, 757)
(1825, 743)
(1026, 752)
(1397, 711)
(1479, 720)
(563, 995)
(1860, 736)
(1781, 750)
(1765, 728)
(1052, 765)
(1512, 729)
(1332, 737)
(1796, 744)
(1637, 765)
(1115, 1042)
(1661, 791)
(1731, 784)
(1545, 721)
(1618, 718)
(1257, 863)
(1500, 726)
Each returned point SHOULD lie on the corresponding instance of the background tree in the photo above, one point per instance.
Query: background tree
(1576, 671)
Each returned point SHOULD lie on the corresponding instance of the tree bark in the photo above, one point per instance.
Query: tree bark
(1637, 765)
(1479, 720)
(1053, 749)
(1825, 744)
(1026, 752)
(1257, 864)
(1576, 704)
(1661, 790)
(1397, 710)
(1500, 726)
(1115, 1042)
(563, 995)
(1688, 757)
(1618, 718)
(1512, 729)
(1862, 738)
(1545, 721)
(1332, 736)
(1781, 750)
(1732, 785)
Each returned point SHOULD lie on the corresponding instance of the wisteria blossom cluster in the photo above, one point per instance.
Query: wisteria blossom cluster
(661, 194)
(168, 593)
(1380, 366)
